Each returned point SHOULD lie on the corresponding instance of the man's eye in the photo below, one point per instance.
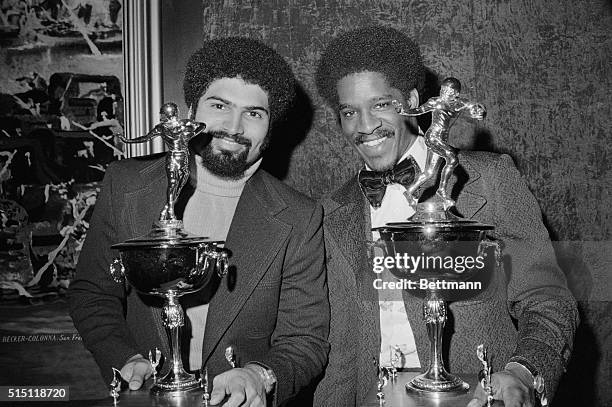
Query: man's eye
(382, 105)
(347, 113)
(218, 106)
(254, 115)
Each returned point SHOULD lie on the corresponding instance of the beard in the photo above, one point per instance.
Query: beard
(226, 164)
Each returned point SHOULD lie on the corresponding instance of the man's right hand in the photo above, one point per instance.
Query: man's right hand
(136, 371)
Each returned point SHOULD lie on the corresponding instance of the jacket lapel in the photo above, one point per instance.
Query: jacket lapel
(344, 220)
(254, 238)
(145, 203)
(147, 199)
(347, 221)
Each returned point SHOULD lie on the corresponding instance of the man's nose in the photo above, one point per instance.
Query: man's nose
(368, 123)
(233, 123)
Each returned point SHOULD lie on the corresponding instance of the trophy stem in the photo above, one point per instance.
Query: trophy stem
(436, 381)
(177, 378)
(434, 314)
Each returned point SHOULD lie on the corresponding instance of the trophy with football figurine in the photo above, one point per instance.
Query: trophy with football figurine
(434, 231)
(169, 262)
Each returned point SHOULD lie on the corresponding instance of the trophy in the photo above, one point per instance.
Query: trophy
(168, 261)
(433, 232)
(205, 387)
(383, 375)
(230, 356)
(154, 361)
(484, 376)
(115, 386)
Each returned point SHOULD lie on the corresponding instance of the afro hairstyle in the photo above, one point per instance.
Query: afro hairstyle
(251, 60)
(374, 49)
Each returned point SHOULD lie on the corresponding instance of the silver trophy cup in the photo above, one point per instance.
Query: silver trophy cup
(433, 232)
(169, 262)
(437, 238)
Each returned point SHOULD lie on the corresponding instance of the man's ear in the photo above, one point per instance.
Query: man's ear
(413, 99)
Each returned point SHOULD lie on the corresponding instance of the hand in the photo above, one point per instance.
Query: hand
(244, 386)
(513, 387)
(136, 371)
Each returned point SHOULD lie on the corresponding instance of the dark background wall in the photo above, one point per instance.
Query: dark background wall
(181, 34)
(542, 68)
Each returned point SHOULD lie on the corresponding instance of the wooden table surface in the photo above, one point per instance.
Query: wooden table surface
(397, 396)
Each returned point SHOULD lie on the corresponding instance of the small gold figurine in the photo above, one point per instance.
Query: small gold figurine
(383, 379)
(484, 376)
(396, 359)
(204, 383)
(230, 356)
(154, 363)
(115, 385)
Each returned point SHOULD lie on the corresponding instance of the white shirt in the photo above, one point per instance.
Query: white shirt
(396, 334)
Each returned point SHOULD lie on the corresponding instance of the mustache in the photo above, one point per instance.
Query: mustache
(361, 138)
(234, 137)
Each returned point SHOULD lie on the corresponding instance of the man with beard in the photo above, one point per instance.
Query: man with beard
(363, 74)
(273, 312)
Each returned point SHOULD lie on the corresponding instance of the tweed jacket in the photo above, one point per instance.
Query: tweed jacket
(272, 306)
(527, 310)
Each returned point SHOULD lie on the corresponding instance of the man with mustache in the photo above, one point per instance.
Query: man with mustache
(363, 74)
(272, 308)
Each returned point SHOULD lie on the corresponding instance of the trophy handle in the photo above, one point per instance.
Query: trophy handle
(486, 243)
(117, 270)
(210, 253)
(222, 263)
(204, 259)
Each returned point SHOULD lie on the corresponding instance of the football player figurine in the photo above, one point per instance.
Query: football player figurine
(176, 134)
(445, 109)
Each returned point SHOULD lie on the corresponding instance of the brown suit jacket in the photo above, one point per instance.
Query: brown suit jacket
(272, 307)
(529, 289)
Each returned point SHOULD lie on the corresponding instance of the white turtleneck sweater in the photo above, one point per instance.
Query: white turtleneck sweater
(209, 213)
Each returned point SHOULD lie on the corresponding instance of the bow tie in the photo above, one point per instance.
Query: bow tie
(374, 183)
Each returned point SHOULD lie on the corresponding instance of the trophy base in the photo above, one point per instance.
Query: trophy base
(436, 210)
(444, 385)
(179, 382)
